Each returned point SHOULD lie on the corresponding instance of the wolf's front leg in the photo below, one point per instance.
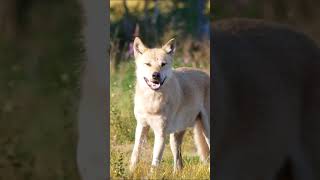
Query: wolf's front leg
(175, 144)
(159, 137)
(140, 135)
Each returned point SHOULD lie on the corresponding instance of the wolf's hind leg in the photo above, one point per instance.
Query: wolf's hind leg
(206, 126)
(175, 145)
(140, 135)
(200, 140)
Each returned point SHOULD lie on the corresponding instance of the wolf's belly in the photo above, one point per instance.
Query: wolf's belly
(182, 120)
(169, 122)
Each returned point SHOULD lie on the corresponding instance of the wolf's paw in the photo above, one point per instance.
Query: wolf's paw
(132, 168)
(178, 168)
(176, 171)
(153, 169)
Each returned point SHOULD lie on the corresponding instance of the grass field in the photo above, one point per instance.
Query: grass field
(122, 127)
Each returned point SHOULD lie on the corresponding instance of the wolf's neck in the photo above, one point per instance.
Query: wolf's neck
(156, 101)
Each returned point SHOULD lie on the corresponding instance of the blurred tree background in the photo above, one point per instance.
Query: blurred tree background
(303, 15)
(40, 63)
(157, 21)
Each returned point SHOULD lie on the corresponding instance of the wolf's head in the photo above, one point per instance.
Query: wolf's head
(153, 66)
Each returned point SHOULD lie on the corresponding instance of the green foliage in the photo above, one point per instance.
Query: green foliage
(122, 120)
(182, 20)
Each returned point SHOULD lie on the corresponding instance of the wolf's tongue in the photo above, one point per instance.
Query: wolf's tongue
(155, 86)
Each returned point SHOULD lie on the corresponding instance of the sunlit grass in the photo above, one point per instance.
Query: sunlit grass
(193, 168)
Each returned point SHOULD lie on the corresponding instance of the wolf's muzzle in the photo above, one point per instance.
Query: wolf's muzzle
(156, 76)
(155, 84)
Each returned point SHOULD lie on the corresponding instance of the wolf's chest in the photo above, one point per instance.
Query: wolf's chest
(152, 104)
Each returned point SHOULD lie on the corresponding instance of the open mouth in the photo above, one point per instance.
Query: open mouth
(154, 84)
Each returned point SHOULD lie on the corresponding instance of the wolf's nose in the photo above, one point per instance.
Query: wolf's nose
(156, 75)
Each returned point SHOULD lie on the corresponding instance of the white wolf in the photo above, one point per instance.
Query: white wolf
(169, 101)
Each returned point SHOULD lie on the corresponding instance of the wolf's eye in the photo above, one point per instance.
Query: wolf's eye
(148, 64)
(163, 64)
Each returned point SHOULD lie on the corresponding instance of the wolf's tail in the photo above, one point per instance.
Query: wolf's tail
(200, 141)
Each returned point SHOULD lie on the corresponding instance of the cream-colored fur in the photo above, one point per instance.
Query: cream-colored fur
(182, 101)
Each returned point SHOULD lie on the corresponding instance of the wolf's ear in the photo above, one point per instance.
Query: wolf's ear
(170, 46)
(138, 47)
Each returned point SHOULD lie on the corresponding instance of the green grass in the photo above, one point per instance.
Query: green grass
(122, 127)
(193, 168)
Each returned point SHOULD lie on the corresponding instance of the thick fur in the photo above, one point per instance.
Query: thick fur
(266, 103)
(182, 101)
